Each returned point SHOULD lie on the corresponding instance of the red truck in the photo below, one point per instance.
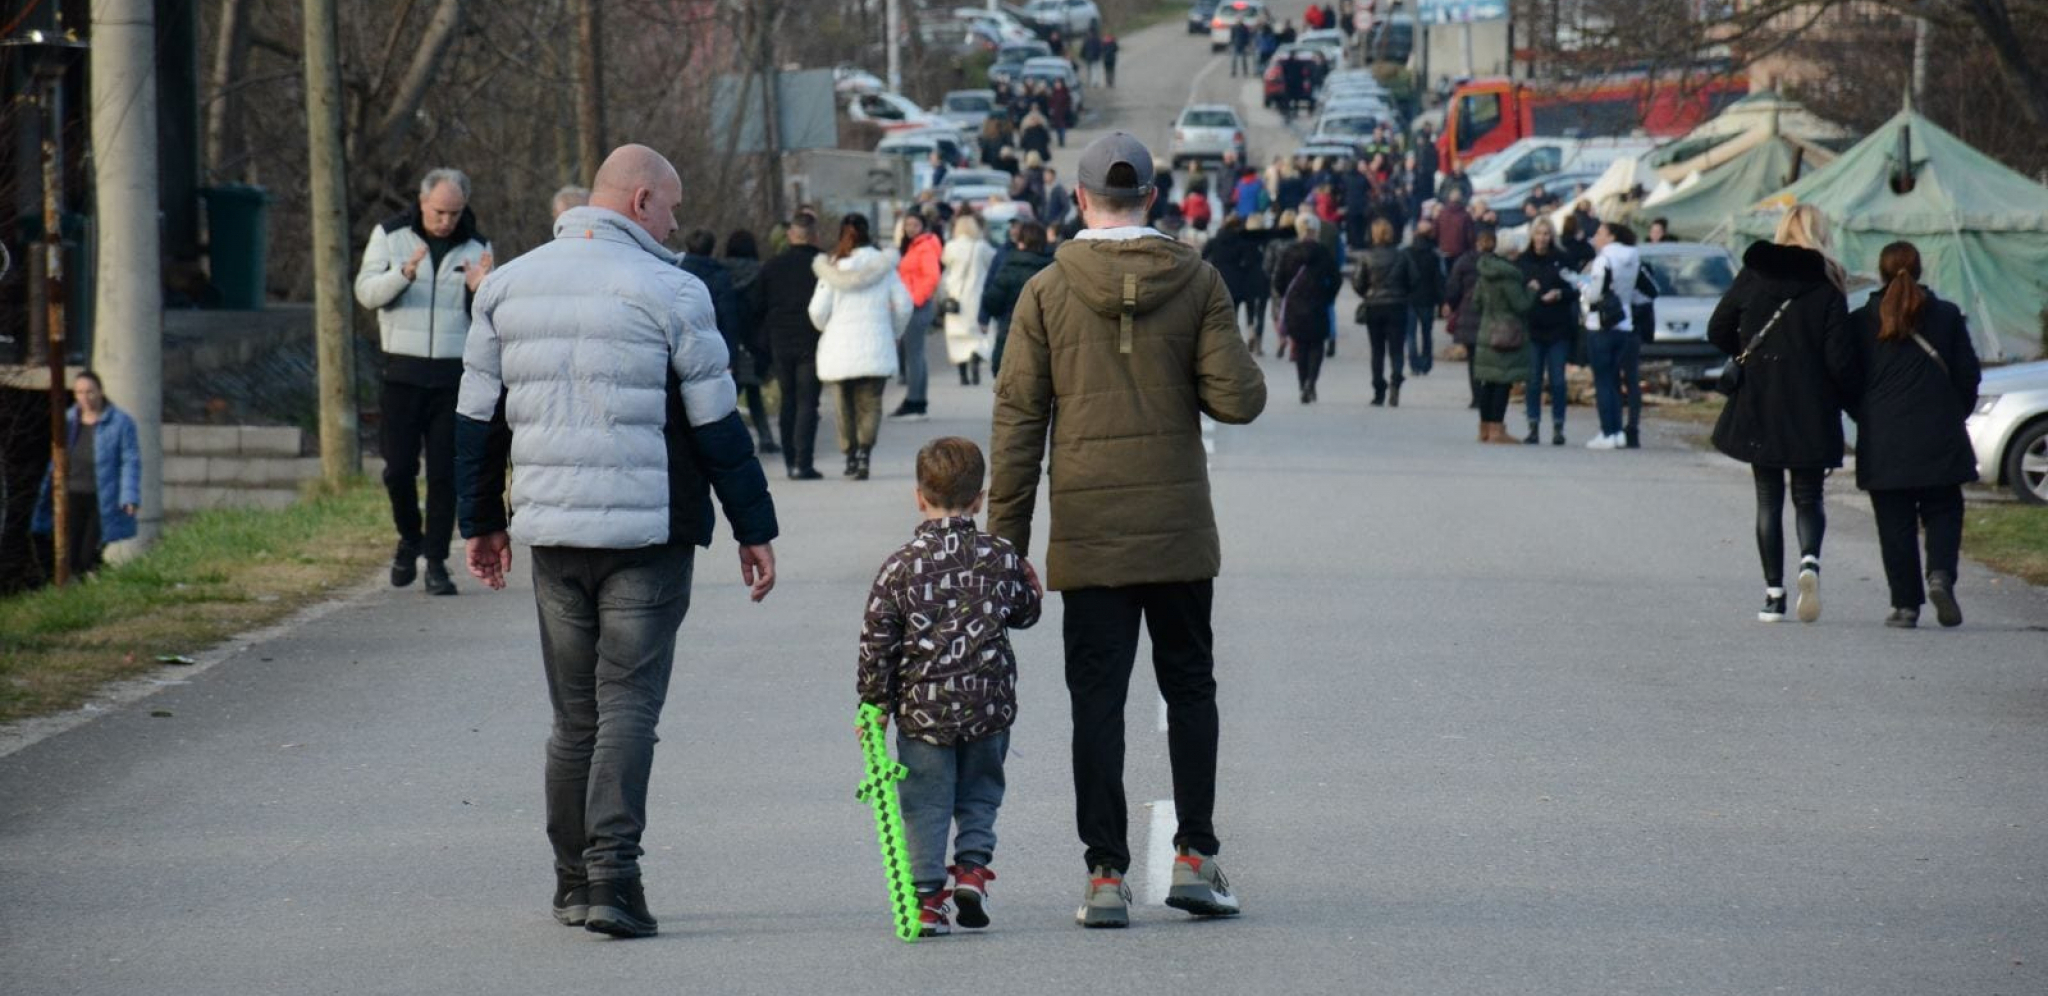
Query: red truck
(1488, 115)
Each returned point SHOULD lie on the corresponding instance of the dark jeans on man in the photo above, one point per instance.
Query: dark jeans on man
(798, 377)
(1616, 357)
(1385, 326)
(420, 418)
(958, 783)
(1240, 61)
(1546, 360)
(1101, 631)
(1421, 339)
(1901, 515)
(1810, 516)
(608, 622)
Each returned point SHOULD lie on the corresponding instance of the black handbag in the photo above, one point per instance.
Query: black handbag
(1731, 372)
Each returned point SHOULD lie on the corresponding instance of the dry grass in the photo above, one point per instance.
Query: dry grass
(2009, 537)
(211, 576)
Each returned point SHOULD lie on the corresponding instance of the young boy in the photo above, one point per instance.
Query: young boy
(935, 654)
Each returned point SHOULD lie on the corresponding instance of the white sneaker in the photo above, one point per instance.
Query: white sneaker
(1605, 442)
(1807, 605)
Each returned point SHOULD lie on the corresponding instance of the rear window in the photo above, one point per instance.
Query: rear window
(969, 104)
(1208, 119)
(1349, 126)
(1691, 276)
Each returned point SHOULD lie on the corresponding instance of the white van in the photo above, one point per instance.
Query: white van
(1531, 158)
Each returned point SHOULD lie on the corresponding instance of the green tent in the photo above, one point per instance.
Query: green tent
(1706, 209)
(1981, 228)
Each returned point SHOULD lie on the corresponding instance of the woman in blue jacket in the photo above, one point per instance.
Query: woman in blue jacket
(103, 480)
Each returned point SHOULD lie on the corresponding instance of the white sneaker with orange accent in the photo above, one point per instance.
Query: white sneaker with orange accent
(1199, 886)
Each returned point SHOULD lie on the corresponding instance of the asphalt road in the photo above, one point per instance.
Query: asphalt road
(1496, 720)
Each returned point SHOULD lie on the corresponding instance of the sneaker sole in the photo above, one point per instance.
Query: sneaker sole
(617, 923)
(970, 911)
(572, 916)
(1946, 611)
(1200, 900)
(1770, 617)
(1096, 918)
(1809, 597)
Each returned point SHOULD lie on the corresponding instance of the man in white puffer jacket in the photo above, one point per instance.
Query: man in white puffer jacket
(596, 364)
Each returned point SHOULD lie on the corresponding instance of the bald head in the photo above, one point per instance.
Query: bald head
(638, 182)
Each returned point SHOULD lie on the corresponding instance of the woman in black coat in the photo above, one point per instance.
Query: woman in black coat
(1238, 259)
(1306, 282)
(1913, 455)
(1786, 420)
(1553, 327)
(1383, 284)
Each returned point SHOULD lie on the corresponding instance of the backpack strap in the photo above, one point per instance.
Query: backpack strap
(1130, 312)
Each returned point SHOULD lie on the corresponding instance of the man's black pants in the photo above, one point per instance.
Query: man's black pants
(417, 418)
(1101, 631)
(798, 377)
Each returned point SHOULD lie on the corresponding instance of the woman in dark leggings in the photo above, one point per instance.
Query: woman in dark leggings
(1787, 324)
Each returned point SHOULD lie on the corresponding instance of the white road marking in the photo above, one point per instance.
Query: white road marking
(1159, 853)
(1196, 83)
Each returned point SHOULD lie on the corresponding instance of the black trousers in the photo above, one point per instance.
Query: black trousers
(798, 377)
(1308, 359)
(1101, 631)
(1493, 400)
(1387, 327)
(1901, 516)
(420, 419)
(1810, 518)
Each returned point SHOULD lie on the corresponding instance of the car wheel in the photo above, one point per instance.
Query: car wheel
(2026, 464)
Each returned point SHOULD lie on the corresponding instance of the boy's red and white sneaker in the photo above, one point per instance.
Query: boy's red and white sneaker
(970, 894)
(935, 913)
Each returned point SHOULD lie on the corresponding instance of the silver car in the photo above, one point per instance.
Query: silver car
(2009, 430)
(1691, 278)
(1207, 131)
(967, 109)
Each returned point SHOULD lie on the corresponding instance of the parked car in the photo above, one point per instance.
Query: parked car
(2009, 430)
(967, 109)
(1207, 131)
(1007, 29)
(1199, 14)
(1533, 157)
(918, 145)
(853, 79)
(1392, 38)
(1228, 15)
(893, 111)
(1355, 129)
(1339, 106)
(973, 187)
(957, 39)
(1313, 149)
(1691, 278)
(1072, 17)
(1329, 40)
(1019, 51)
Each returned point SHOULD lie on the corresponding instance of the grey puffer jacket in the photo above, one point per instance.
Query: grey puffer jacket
(426, 317)
(613, 381)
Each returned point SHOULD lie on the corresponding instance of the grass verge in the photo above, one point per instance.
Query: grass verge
(2009, 537)
(211, 576)
(1140, 15)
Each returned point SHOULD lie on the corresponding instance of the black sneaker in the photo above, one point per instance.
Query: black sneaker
(1557, 434)
(1903, 618)
(1533, 437)
(1774, 606)
(405, 564)
(1394, 396)
(438, 581)
(618, 907)
(907, 412)
(852, 463)
(1631, 439)
(572, 901)
(1941, 590)
(805, 474)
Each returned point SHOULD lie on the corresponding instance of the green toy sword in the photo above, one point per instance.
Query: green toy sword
(878, 790)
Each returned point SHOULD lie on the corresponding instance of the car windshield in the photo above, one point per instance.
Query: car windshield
(977, 178)
(1690, 275)
(1348, 126)
(1208, 119)
(969, 104)
(1018, 53)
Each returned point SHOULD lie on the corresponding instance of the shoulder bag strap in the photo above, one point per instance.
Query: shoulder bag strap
(1760, 333)
(1925, 347)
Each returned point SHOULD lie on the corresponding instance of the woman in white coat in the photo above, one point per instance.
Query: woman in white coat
(859, 308)
(966, 260)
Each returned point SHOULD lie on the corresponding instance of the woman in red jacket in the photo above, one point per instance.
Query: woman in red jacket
(919, 270)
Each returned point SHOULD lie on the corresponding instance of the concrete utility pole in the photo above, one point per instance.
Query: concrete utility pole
(128, 313)
(332, 305)
(892, 22)
(1920, 33)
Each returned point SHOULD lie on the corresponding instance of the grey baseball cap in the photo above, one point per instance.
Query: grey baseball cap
(1109, 150)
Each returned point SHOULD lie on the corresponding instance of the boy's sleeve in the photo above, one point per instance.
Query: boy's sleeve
(881, 641)
(1021, 602)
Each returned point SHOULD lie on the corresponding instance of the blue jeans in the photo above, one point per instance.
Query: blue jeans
(1616, 356)
(1421, 339)
(962, 783)
(1547, 358)
(608, 622)
(911, 347)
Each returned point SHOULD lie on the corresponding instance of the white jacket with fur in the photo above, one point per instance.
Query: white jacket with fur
(966, 261)
(860, 307)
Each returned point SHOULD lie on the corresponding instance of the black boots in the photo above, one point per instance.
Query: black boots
(405, 564)
(860, 470)
(1556, 433)
(1394, 395)
(1535, 435)
(1630, 439)
(438, 582)
(852, 462)
(619, 908)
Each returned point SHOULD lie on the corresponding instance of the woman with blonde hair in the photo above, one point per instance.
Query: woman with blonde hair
(1913, 455)
(1785, 324)
(965, 263)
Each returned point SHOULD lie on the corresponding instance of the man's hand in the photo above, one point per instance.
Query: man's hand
(411, 269)
(477, 271)
(1552, 296)
(129, 509)
(1031, 577)
(757, 569)
(490, 556)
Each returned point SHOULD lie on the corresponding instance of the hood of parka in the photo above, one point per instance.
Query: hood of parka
(1095, 268)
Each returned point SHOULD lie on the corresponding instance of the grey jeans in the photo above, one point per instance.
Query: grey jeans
(608, 621)
(960, 783)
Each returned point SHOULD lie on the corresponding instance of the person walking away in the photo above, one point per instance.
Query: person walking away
(1194, 206)
(1294, 86)
(1059, 201)
(102, 478)
(1913, 455)
(1128, 336)
(1425, 296)
(1553, 328)
(935, 656)
(1027, 256)
(1059, 111)
(860, 308)
(1461, 313)
(1785, 321)
(919, 269)
(1091, 57)
(1109, 48)
(1578, 248)
(726, 306)
(751, 361)
(1454, 228)
(1357, 204)
(1306, 282)
(1267, 43)
(1236, 254)
(1500, 351)
(779, 301)
(1280, 239)
(1035, 135)
(595, 364)
(1611, 344)
(965, 263)
(1384, 285)
(1240, 49)
(420, 269)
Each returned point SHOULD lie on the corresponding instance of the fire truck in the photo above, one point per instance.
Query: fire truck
(1487, 115)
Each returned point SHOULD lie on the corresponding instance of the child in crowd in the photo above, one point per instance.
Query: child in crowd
(935, 654)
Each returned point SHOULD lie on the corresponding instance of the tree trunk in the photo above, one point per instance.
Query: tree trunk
(2028, 83)
(224, 114)
(327, 176)
(590, 142)
(404, 103)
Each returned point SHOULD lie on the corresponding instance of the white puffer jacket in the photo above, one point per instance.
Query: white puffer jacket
(580, 334)
(966, 261)
(427, 316)
(859, 308)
